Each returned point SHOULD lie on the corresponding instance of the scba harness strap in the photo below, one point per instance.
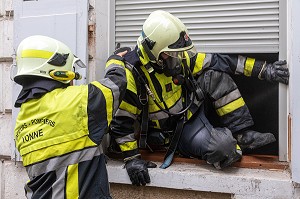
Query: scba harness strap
(140, 81)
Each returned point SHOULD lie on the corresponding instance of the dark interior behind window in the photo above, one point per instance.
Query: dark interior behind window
(261, 98)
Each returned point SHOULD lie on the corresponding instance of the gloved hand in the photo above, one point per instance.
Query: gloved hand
(119, 51)
(137, 170)
(276, 72)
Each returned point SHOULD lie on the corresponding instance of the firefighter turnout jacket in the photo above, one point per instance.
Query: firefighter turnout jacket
(229, 104)
(58, 136)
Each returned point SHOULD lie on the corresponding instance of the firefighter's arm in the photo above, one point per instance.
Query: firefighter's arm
(104, 97)
(122, 130)
(241, 65)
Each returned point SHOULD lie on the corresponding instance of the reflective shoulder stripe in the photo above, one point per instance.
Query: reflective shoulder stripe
(188, 61)
(128, 146)
(249, 66)
(108, 98)
(37, 54)
(231, 107)
(199, 63)
(72, 188)
(131, 85)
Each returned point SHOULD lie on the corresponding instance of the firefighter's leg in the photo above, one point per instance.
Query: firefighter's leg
(214, 145)
(232, 110)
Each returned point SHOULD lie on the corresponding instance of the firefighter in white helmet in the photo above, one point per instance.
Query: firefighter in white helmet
(166, 90)
(60, 127)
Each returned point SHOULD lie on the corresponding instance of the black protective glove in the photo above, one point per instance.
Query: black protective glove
(137, 170)
(276, 72)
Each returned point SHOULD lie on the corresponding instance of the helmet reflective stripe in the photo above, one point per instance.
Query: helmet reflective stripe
(36, 54)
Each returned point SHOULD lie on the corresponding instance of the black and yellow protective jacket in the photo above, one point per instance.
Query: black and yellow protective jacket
(59, 132)
(170, 96)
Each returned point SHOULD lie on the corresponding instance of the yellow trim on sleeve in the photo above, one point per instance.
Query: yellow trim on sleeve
(128, 146)
(114, 61)
(36, 54)
(249, 66)
(232, 106)
(108, 99)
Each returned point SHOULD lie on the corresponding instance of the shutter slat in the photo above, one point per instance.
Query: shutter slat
(214, 25)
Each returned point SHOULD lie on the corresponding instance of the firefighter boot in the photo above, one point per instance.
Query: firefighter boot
(250, 139)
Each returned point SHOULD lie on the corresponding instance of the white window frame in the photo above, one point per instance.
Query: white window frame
(107, 28)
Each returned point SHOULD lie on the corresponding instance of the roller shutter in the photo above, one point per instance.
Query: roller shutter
(214, 25)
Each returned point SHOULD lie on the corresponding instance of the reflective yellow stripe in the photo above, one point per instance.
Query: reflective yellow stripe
(144, 58)
(238, 147)
(130, 81)
(199, 62)
(128, 146)
(157, 125)
(232, 106)
(36, 54)
(57, 150)
(114, 61)
(72, 188)
(128, 107)
(187, 58)
(249, 66)
(108, 99)
(189, 114)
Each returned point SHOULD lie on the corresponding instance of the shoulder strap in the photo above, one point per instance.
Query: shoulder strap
(141, 80)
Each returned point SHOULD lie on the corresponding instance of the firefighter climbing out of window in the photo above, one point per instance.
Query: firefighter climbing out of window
(163, 108)
(60, 127)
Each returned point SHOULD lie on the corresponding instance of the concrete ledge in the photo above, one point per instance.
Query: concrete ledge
(240, 182)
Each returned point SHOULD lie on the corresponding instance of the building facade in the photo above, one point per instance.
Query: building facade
(265, 29)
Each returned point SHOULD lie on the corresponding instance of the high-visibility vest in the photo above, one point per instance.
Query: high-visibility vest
(53, 125)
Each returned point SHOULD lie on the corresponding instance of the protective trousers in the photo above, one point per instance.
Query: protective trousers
(199, 139)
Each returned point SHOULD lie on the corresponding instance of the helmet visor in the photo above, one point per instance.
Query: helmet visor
(170, 61)
(77, 63)
(181, 54)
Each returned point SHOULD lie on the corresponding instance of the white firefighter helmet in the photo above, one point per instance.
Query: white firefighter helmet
(39, 55)
(163, 32)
